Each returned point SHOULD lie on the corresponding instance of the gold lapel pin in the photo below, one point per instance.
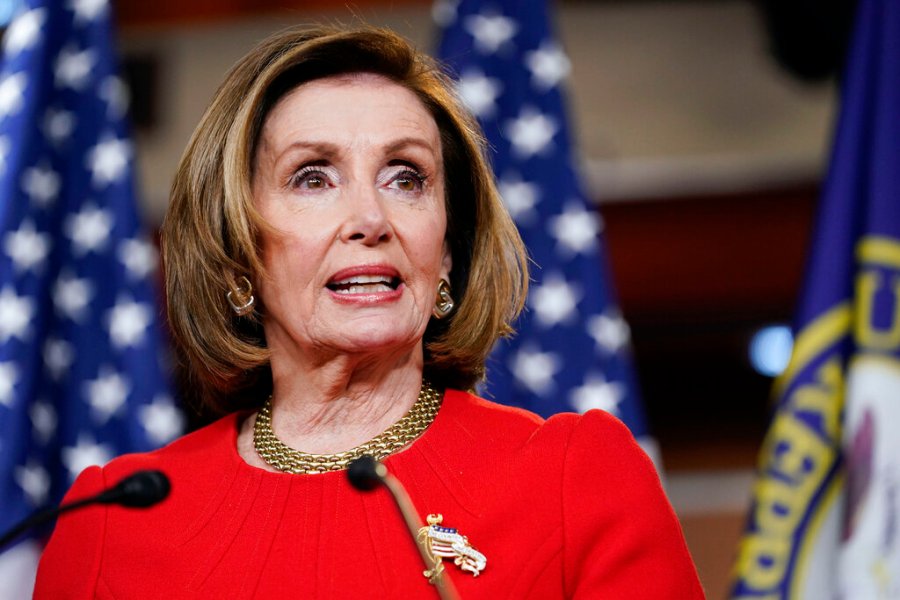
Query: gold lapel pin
(446, 542)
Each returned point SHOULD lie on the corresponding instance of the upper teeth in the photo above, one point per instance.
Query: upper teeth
(363, 279)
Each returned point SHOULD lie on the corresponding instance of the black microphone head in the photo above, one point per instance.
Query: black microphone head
(363, 473)
(138, 490)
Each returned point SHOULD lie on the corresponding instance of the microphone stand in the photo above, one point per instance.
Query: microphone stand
(42, 517)
(364, 473)
(139, 490)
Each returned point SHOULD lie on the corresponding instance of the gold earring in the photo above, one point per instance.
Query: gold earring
(241, 298)
(444, 304)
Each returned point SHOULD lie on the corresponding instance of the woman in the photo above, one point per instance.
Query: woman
(339, 264)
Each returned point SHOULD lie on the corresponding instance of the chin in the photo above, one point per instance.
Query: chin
(379, 338)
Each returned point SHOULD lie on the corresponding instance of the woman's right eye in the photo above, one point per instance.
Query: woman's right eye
(310, 178)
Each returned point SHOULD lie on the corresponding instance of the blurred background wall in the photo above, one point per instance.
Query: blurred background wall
(703, 156)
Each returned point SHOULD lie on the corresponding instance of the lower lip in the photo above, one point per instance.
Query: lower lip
(368, 298)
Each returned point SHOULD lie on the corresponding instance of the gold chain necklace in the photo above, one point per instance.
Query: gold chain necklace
(403, 432)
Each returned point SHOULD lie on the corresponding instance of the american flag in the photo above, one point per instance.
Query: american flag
(571, 352)
(446, 542)
(82, 365)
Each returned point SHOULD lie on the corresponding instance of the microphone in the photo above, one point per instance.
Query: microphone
(141, 489)
(365, 474)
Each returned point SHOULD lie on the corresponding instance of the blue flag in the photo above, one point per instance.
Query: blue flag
(572, 350)
(81, 377)
(826, 512)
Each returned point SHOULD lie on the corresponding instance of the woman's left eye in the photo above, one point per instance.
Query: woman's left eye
(407, 180)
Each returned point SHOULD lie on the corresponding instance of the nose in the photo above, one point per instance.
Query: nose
(366, 220)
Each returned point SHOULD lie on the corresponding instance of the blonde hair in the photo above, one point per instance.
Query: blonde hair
(209, 237)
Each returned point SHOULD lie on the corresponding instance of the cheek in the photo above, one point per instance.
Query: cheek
(290, 264)
(430, 252)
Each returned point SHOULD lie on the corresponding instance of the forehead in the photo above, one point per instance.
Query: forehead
(350, 104)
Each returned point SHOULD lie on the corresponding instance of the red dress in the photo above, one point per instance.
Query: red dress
(569, 507)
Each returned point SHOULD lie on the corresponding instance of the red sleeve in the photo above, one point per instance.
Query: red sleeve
(70, 565)
(621, 536)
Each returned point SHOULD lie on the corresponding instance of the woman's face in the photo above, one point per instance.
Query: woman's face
(349, 174)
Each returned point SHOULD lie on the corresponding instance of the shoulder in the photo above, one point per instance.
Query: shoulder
(200, 467)
(487, 414)
(576, 433)
(618, 526)
(498, 428)
(597, 454)
(563, 442)
(210, 446)
(82, 542)
(599, 438)
(601, 458)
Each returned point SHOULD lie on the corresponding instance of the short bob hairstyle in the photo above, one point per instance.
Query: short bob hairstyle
(209, 237)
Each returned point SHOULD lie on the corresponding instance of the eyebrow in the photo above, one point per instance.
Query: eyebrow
(409, 141)
(329, 149)
(326, 149)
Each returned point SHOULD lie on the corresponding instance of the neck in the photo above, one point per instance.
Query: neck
(338, 404)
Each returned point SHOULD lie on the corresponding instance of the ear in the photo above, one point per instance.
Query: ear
(446, 261)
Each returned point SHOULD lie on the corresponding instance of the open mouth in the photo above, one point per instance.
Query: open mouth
(364, 284)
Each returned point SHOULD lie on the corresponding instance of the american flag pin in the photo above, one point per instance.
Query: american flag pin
(446, 542)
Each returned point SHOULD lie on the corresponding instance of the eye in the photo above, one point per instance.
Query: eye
(310, 178)
(407, 180)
